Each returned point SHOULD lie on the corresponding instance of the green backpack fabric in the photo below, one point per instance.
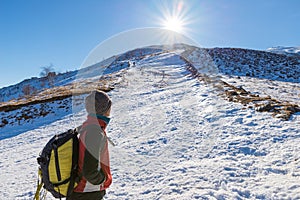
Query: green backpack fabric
(58, 163)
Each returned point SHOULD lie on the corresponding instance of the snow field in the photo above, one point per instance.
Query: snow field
(176, 139)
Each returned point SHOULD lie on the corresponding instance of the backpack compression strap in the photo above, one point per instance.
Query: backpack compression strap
(39, 186)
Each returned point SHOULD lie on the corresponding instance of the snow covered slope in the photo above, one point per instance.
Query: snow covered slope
(35, 84)
(176, 137)
(230, 61)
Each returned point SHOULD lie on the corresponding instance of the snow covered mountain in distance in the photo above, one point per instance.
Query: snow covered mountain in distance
(285, 50)
(188, 123)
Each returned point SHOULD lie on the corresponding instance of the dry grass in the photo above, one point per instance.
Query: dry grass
(279, 109)
(55, 93)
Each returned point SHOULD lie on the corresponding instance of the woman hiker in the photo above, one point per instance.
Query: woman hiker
(93, 164)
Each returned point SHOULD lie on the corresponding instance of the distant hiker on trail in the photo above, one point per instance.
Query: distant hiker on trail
(94, 168)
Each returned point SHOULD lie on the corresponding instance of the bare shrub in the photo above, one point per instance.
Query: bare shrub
(49, 74)
(28, 90)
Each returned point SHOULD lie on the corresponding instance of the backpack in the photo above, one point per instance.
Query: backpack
(58, 164)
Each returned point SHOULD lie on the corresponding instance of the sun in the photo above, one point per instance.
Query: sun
(174, 16)
(173, 23)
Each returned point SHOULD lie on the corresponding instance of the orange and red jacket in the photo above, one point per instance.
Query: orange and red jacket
(93, 164)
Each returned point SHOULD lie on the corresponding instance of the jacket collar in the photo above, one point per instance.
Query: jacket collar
(99, 118)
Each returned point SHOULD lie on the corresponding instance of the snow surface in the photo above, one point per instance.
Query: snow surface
(176, 139)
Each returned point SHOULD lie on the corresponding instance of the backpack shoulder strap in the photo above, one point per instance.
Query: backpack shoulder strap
(77, 130)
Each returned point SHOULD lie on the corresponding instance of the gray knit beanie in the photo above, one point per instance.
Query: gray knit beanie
(97, 102)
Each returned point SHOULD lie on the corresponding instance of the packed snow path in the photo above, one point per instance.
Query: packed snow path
(176, 139)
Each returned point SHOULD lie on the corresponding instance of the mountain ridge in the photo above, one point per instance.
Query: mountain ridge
(216, 66)
(227, 60)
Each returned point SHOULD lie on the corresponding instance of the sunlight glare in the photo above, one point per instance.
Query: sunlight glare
(174, 17)
(173, 24)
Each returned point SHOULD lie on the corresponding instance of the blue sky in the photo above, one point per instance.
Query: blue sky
(37, 33)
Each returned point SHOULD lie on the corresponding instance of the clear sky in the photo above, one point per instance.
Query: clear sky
(38, 33)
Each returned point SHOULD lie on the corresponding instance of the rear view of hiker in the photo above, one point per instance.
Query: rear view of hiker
(94, 168)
